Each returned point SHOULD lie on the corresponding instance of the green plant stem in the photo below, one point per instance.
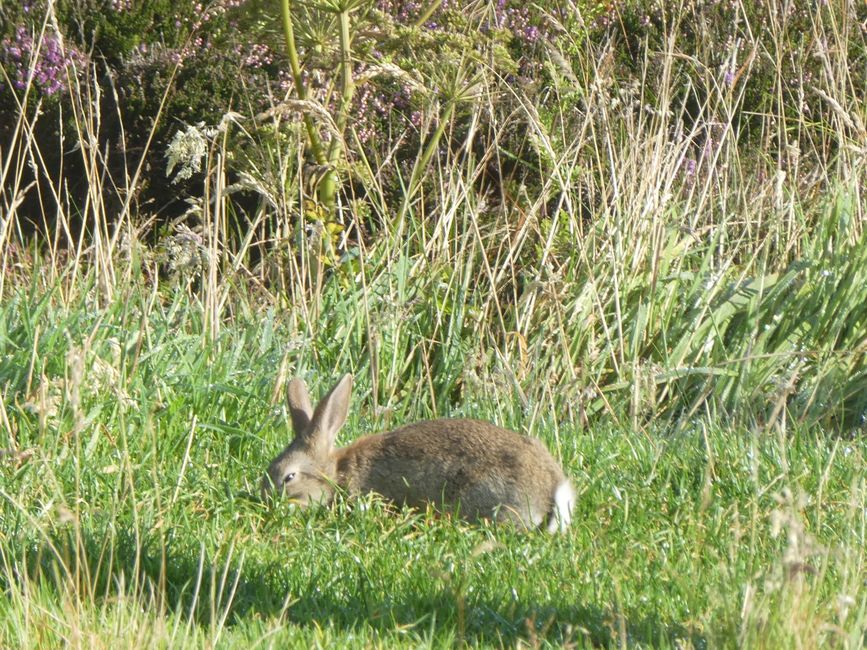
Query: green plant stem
(329, 183)
(424, 159)
(295, 65)
(348, 85)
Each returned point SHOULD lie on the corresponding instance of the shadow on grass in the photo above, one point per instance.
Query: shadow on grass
(211, 591)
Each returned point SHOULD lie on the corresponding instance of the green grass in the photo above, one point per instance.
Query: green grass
(657, 265)
(134, 520)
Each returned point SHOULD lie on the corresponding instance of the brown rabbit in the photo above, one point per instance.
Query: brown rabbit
(470, 467)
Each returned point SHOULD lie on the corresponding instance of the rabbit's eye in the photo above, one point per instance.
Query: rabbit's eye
(288, 477)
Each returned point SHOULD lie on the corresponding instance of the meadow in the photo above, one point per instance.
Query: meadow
(633, 230)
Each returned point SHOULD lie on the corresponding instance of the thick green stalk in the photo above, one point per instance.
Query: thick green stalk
(348, 87)
(328, 187)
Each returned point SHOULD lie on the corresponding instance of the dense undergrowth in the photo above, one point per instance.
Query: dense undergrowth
(633, 230)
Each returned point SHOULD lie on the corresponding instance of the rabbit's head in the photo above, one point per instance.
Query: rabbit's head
(306, 470)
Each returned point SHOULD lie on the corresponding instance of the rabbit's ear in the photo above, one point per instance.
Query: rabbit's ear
(300, 409)
(331, 414)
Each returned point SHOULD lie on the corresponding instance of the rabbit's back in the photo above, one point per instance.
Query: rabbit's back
(486, 471)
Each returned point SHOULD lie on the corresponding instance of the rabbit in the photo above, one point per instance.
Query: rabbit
(467, 467)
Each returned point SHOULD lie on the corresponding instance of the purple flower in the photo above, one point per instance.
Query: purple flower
(689, 169)
(49, 71)
(514, 16)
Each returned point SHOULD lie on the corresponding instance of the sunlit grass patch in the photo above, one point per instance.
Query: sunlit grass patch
(138, 524)
(664, 280)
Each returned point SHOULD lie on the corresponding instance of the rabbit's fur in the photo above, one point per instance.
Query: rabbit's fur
(470, 467)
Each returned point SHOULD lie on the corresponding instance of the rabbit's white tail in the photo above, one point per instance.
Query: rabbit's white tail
(561, 514)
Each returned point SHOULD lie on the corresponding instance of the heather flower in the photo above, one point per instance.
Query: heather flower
(254, 55)
(689, 169)
(376, 104)
(513, 16)
(49, 71)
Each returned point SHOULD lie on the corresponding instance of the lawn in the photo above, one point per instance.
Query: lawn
(633, 230)
(130, 513)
